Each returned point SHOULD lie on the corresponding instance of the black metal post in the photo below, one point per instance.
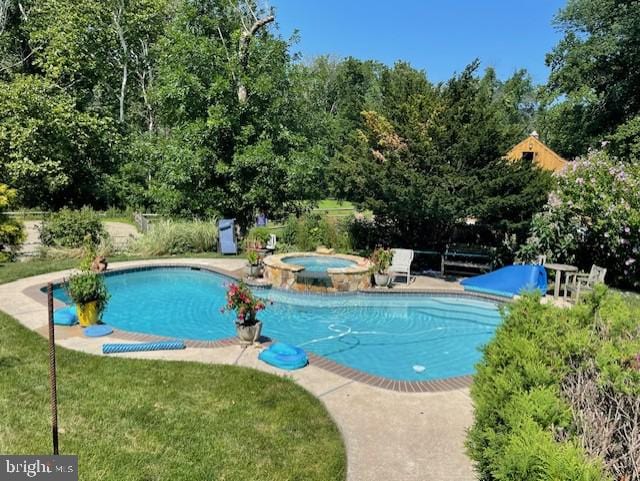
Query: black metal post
(52, 371)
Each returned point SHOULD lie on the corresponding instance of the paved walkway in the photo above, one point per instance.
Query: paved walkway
(119, 232)
(388, 435)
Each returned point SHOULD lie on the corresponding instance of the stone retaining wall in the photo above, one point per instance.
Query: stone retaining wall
(339, 279)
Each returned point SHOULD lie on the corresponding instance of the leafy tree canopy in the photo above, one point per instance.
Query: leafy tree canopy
(594, 87)
(432, 157)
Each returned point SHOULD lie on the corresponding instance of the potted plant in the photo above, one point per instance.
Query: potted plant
(381, 260)
(254, 269)
(87, 288)
(89, 292)
(246, 306)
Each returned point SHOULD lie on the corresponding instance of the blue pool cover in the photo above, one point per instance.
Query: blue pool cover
(509, 281)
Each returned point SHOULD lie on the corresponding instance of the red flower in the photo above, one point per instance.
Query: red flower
(241, 299)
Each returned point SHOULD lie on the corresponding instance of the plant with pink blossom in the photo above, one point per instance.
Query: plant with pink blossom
(592, 217)
(246, 306)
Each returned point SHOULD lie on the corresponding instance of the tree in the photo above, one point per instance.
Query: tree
(594, 69)
(56, 154)
(216, 152)
(12, 233)
(432, 158)
(15, 52)
(251, 26)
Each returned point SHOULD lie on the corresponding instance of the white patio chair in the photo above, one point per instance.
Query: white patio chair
(271, 244)
(579, 282)
(401, 264)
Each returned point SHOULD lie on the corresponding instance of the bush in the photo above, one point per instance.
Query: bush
(257, 238)
(171, 237)
(311, 230)
(364, 233)
(534, 418)
(593, 217)
(12, 233)
(69, 228)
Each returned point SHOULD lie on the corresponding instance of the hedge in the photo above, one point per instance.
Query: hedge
(541, 383)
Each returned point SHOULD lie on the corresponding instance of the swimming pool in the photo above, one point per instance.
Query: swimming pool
(318, 264)
(401, 337)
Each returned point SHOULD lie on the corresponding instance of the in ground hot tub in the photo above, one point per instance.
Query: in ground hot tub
(305, 271)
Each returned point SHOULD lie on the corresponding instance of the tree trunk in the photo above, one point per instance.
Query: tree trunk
(4, 14)
(117, 16)
(243, 53)
(144, 72)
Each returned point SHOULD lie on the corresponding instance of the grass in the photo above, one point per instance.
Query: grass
(335, 208)
(332, 204)
(12, 271)
(339, 208)
(150, 420)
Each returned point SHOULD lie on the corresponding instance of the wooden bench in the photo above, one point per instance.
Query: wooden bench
(462, 258)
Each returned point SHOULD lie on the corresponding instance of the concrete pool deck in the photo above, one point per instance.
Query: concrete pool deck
(389, 435)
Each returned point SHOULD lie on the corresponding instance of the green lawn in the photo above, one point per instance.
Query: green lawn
(338, 208)
(158, 420)
(332, 204)
(12, 271)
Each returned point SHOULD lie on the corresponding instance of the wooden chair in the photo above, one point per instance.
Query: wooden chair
(579, 282)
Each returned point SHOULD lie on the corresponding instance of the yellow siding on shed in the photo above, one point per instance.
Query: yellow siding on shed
(544, 157)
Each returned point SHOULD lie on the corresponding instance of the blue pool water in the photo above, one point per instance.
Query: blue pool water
(318, 263)
(391, 335)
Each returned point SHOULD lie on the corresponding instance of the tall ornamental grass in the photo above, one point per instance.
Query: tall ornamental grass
(177, 237)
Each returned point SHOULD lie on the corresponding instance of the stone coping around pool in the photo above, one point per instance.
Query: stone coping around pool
(38, 293)
(362, 265)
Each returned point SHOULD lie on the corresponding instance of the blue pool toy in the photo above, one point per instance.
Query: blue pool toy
(98, 330)
(65, 316)
(509, 281)
(284, 356)
(144, 346)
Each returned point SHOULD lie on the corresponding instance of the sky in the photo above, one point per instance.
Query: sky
(440, 37)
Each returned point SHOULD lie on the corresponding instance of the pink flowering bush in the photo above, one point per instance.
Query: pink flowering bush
(241, 300)
(592, 217)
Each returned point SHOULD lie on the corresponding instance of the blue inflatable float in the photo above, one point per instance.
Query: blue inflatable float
(509, 281)
(65, 316)
(98, 330)
(284, 356)
(142, 346)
